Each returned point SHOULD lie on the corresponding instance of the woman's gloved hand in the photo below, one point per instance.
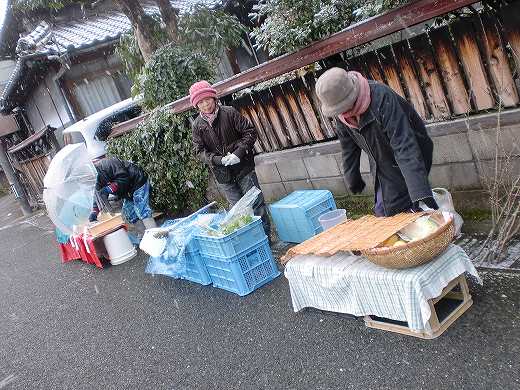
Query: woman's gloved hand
(230, 159)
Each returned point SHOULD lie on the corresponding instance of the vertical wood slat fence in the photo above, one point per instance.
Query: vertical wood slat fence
(31, 158)
(469, 66)
(34, 170)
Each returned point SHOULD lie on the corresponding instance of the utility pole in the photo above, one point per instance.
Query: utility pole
(13, 181)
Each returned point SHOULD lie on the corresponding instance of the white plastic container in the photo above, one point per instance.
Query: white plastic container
(332, 218)
(119, 247)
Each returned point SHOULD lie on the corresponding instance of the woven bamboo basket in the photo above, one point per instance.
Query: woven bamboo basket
(417, 252)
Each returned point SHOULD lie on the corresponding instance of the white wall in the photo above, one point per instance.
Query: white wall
(97, 84)
(46, 106)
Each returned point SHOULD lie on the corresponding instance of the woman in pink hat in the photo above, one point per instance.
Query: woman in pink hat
(223, 139)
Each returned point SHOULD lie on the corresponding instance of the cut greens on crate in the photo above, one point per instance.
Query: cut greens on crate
(236, 224)
(240, 215)
(231, 226)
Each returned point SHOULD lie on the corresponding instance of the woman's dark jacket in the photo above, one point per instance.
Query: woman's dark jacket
(230, 132)
(398, 147)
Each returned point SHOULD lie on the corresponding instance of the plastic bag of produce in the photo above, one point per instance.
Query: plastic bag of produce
(243, 207)
(240, 215)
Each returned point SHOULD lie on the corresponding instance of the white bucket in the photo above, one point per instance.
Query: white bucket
(119, 247)
(332, 218)
(124, 258)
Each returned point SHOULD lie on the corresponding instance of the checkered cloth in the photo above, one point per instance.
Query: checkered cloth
(351, 284)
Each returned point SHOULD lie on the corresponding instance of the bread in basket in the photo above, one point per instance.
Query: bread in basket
(417, 252)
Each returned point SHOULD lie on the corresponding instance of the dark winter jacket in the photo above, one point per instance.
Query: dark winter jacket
(398, 146)
(230, 133)
(127, 176)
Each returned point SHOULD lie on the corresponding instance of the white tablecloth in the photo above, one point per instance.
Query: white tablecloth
(351, 284)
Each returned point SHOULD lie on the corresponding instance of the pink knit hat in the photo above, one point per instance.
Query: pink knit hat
(201, 90)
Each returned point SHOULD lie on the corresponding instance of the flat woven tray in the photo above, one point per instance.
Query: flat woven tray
(107, 226)
(352, 235)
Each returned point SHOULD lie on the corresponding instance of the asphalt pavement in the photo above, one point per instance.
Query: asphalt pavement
(72, 326)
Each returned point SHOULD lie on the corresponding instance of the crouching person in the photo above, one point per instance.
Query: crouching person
(129, 182)
(223, 139)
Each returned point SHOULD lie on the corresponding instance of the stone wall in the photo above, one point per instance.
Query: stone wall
(464, 151)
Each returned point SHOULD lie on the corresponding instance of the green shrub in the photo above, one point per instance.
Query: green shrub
(287, 25)
(161, 145)
(170, 73)
(28, 6)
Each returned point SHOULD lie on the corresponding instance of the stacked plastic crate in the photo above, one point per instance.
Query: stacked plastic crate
(296, 215)
(195, 270)
(239, 262)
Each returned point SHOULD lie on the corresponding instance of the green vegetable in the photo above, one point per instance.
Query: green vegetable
(235, 224)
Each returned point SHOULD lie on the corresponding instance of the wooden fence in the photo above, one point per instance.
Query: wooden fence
(31, 158)
(466, 67)
(34, 170)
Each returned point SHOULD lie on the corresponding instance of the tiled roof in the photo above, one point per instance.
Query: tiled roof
(84, 33)
(15, 84)
(74, 35)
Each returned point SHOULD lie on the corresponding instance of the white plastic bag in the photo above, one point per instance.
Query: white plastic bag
(152, 245)
(244, 206)
(445, 202)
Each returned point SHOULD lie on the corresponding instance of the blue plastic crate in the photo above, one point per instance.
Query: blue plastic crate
(234, 243)
(296, 215)
(244, 273)
(196, 270)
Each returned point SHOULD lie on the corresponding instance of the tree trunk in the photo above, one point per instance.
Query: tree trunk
(146, 45)
(169, 17)
(143, 33)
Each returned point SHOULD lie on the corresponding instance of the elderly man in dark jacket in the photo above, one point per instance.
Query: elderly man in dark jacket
(372, 117)
(223, 139)
(127, 181)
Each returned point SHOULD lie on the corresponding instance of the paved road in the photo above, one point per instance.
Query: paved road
(73, 326)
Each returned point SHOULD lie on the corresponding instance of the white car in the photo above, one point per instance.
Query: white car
(94, 129)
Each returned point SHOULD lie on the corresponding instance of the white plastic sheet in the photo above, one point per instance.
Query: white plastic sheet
(170, 259)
